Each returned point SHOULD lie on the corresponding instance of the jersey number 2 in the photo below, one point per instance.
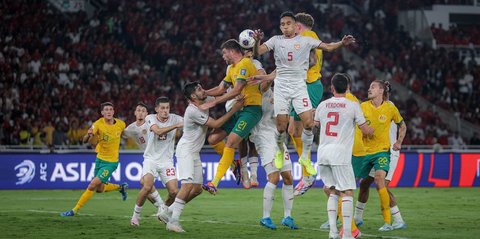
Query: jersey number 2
(332, 122)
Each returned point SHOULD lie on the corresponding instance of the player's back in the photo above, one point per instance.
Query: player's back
(338, 117)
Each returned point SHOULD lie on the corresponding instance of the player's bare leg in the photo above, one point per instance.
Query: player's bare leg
(287, 195)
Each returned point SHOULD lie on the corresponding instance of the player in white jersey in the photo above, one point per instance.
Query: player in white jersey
(337, 118)
(398, 222)
(158, 156)
(292, 53)
(189, 165)
(261, 136)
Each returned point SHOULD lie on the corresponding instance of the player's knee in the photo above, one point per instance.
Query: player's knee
(212, 139)
(172, 193)
(379, 181)
(147, 187)
(287, 178)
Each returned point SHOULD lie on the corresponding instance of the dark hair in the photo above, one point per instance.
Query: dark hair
(142, 105)
(288, 14)
(232, 44)
(340, 82)
(387, 88)
(305, 19)
(104, 104)
(161, 99)
(189, 88)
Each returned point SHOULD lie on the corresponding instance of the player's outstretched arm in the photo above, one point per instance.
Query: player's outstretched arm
(257, 48)
(89, 137)
(236, 91)
(161, 131)
(217, 123)
(366, 129)
(260, 79)
(346, 40)
(218, 90)
(401, 135)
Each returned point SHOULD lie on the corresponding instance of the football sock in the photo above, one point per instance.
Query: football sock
(332, 206)
(395, 212)
(223, 165)
(218, 147)
(111, 187)
(385, 204)
(158, 200)
(268, 196)
(280, 140)
(137, 210)
(297, 142)
(307, 140)
(87, 194)
(176, 208)
(253, 166)
(359, 207)
(347, 213)
(287, 195)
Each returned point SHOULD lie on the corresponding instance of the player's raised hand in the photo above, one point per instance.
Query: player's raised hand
(90, 131)
(207, 105)
(397, 146)
(258, 79)
(347, 40)
(258, 35)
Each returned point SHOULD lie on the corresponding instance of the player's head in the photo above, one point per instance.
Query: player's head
(231, 49)
(379, 88)
(107, 111)
(162, 107)
(305, 21)
(339, 83)
(141, 111)
(193, 91)
(288, 24)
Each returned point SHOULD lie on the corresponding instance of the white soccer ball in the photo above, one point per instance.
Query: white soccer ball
(246, 39)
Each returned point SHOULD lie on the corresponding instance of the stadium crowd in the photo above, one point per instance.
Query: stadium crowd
(57, 68)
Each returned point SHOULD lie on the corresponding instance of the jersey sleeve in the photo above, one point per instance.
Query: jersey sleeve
(312, 43)
(244, 70)
(199, 117)
(150, 121)
(258, 64)
(397, 118)
(271, 43)
(227, 77)
(96, 127)
(317, 112)
(129, 130)
(359, 117)
(178, 119)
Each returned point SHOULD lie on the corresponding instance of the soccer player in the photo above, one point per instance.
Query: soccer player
(337, 118)
(380, 113)
(239, 127)
(262, 136)
(138, 131)
(106, 133)
(398, 222)
(158, 156)
(291, 53)
(189, 165)
(315, 92)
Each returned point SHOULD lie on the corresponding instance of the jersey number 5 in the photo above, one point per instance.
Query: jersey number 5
(332, 122)
(290, 56)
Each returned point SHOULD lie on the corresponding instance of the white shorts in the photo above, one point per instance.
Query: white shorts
(189, 168)
(166, 171)
(339, 176)
(267, 150)
(296, 96)
(394, 155)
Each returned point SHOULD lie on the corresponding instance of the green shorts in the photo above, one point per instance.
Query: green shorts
(244, 121)
(315, 93)
(379, 161)
(357, 162)
(104, 169)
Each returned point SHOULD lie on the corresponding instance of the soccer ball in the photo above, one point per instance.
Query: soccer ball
(246, 39)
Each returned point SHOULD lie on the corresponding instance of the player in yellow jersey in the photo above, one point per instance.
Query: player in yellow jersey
(106, 133)
(315, 93)
(240, 126)
(380, 113)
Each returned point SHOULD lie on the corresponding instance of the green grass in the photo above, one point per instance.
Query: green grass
(234, 213)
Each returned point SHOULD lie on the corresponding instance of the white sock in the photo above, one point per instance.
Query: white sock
(137, 210)
(280, 140)
(359, 207)
(244, 161)
(395, 211)
(307, 140)
(177, 208)
(158, 200)
(347, 214)
(287, 195)
(268, 195)
(253, 166)
(332, 205)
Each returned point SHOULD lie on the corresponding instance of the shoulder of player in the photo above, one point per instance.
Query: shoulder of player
(120, 122)
(310, 33)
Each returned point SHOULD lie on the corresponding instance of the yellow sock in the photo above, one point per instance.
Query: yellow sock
(354, 226)
(83, 199)
(111, 187)
(224, 164)
(385, 204)
(218, 147)
(297, 142)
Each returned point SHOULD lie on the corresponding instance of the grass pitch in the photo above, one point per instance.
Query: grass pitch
(233, 213)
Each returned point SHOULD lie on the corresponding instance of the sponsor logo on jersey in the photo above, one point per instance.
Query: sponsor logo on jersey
(296, 46)
(382, 118)
(243, 72)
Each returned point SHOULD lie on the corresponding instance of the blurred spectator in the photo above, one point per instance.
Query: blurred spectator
(475, 140)
(456, 141)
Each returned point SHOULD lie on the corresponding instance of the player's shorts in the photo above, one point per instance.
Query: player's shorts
(393, 165)
(247, 118)
(104, 169)
(165, 170)
(230, 123)
(315, 93)
(357, 164)
(267, 149)
(378, 161)
(339, 176)
(286, 97)
(189, 167)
